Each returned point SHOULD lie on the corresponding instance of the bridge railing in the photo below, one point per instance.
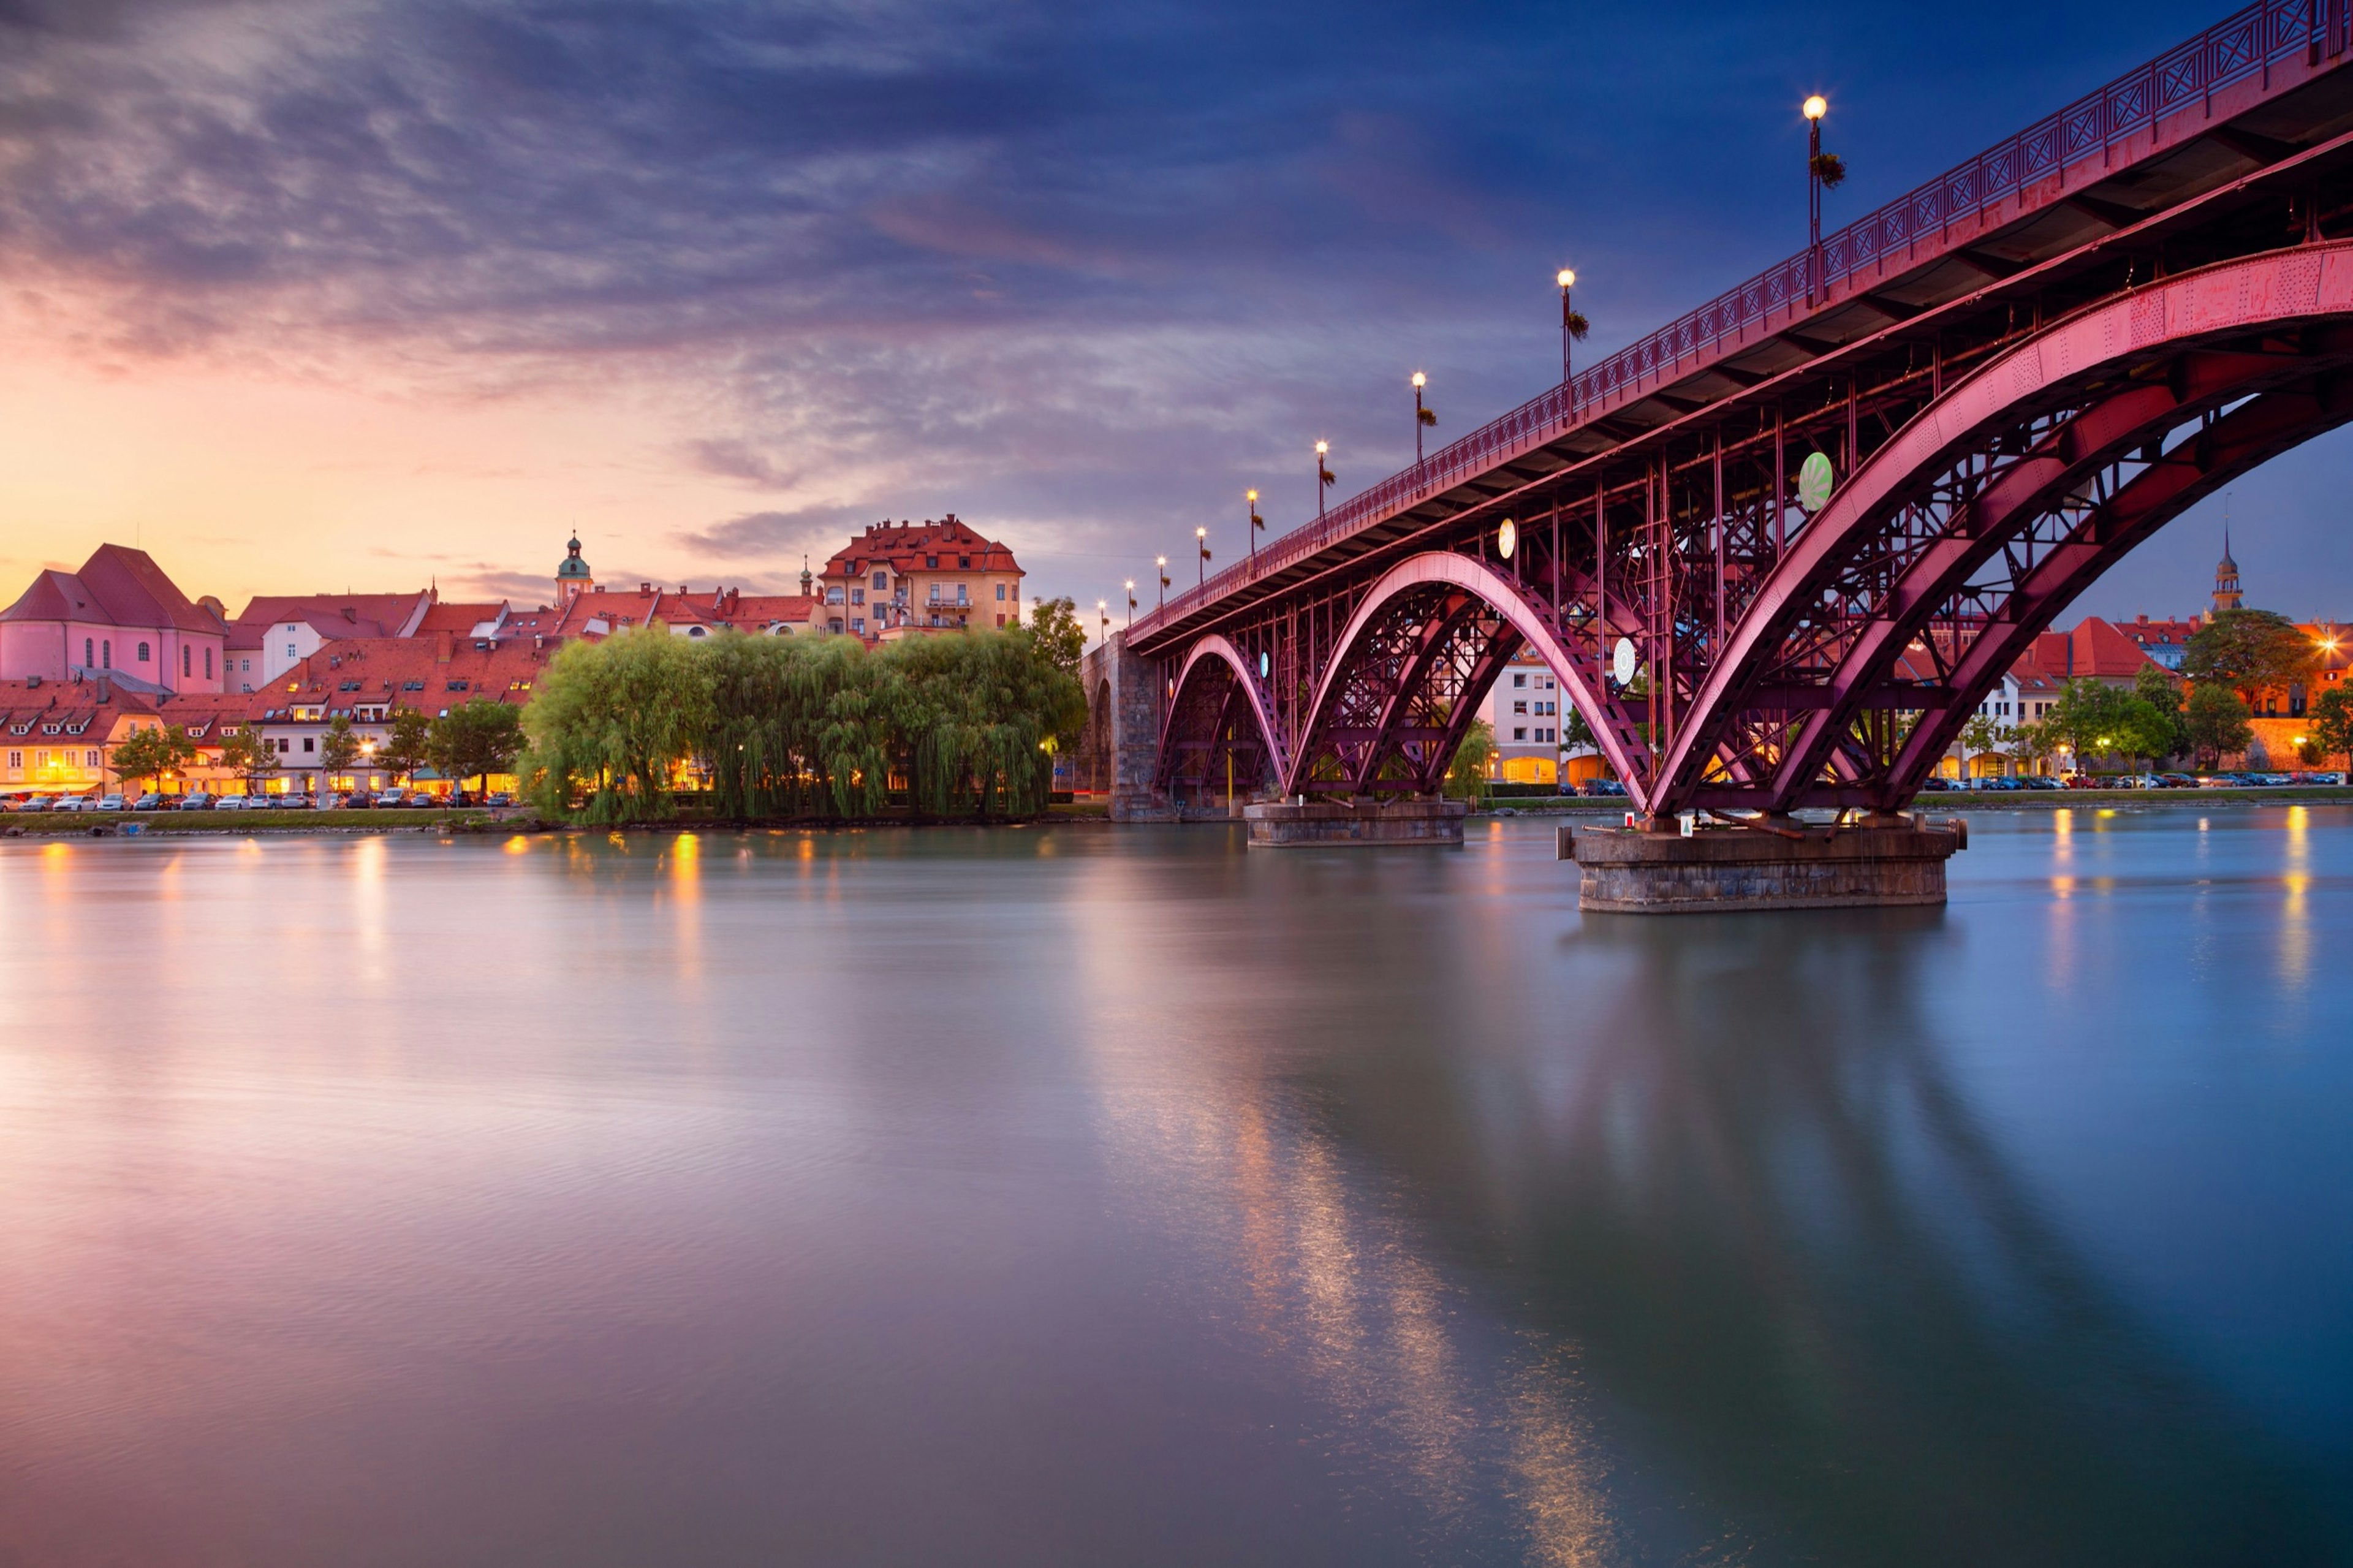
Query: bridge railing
(2248, 42)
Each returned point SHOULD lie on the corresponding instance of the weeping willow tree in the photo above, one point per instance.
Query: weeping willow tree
(802, 727)
(610, 723)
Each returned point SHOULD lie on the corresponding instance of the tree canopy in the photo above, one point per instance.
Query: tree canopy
(2331, 722)
(2216, 722)
(2251, 651)
(151, 752)
(475, 738)
(802, 726)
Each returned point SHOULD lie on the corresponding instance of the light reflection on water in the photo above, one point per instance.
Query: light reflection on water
(1089, 1196)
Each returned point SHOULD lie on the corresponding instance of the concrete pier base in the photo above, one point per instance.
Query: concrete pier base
(1279, 824)
(1628, 871)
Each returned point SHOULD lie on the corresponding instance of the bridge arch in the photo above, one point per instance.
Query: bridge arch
(1426, 642)
(1934, 564)
(1219, 710)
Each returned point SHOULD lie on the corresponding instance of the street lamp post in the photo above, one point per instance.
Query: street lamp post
(1256, 522)
(1131, 604)
(1164, 581)
(1103, 613)
(1573, 328)
(1824, 171)
(1423, 416)
(1201, 536)
(1324, 478)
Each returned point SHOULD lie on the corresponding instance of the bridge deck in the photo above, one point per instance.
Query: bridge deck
(2135, 161)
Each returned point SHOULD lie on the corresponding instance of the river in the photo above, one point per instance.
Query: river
(1084, 1196)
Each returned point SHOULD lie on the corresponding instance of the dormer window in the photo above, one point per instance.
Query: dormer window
(932, 563)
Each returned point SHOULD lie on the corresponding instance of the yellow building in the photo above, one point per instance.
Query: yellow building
(899, 579)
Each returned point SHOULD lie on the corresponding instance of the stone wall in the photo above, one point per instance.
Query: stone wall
(1121, 746)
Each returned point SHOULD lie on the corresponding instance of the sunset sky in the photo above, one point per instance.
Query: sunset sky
(321, 294)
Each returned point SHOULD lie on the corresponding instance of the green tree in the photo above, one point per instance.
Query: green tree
(2216, 722)
(407, 744)
(1061, 635)
(2330, 723)
(2093, 720)
(2168, 735)
(250, 754)
(612, 721)
(1466, 778)
(2251, 651)
(803, 726)
(1980, 735)
(339, 748)
(151, 752)
(480, 738)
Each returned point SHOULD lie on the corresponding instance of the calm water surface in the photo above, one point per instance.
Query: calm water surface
(1083, 1196)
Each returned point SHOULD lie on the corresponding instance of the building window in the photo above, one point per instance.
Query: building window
(1000, 620)
(90, 759)
(1520, 683)
(40, 759)
(881, 581)
(858, 596)
(963, 562)
(1000, 593)
(961, 599)
(310, 744)
(1520, 733)
(89, 653)
(1520, 707)
(931, 563)
(208, 664)
(857, 625)
(106, 654)
(16, 759)
(142, 653)
(833, 595)
(187, 657)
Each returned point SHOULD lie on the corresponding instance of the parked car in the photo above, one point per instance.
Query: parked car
(1597, 788)
(231, 802)
(110, 803)
(151, 801)
(2037, 781)
(34, 803)
(198, 800)
(2083, 781)
(2326, 778)
(501, 798)
(2000, 785)
(1935, 786)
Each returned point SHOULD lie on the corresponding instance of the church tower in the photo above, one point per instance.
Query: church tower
(572, 578)
(2226, 579)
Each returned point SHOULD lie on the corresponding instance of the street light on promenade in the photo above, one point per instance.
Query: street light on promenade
(1131, 604)
(1423, 416)
(1103, 613)
(1164, 581)
(1256, 522)
(1324, 478)
(1201, 538)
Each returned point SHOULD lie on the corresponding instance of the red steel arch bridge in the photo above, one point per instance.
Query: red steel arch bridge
(2017, 373)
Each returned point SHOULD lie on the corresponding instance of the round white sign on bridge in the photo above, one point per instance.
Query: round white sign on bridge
(1507, 537)
(1816, 479)
(1621, 661)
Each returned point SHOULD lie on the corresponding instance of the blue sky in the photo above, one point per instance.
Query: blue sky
(716, 282)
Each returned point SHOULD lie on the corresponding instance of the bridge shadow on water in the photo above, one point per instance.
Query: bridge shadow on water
(1720, 1262)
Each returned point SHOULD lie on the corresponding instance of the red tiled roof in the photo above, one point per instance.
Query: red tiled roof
(116, 586)
(903, 547)
(2094, 649)
(406, 672)
(338, 614)
(81, 709)
(458, 620)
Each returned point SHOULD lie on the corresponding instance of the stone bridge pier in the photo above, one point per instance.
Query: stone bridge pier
(1122, 747)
